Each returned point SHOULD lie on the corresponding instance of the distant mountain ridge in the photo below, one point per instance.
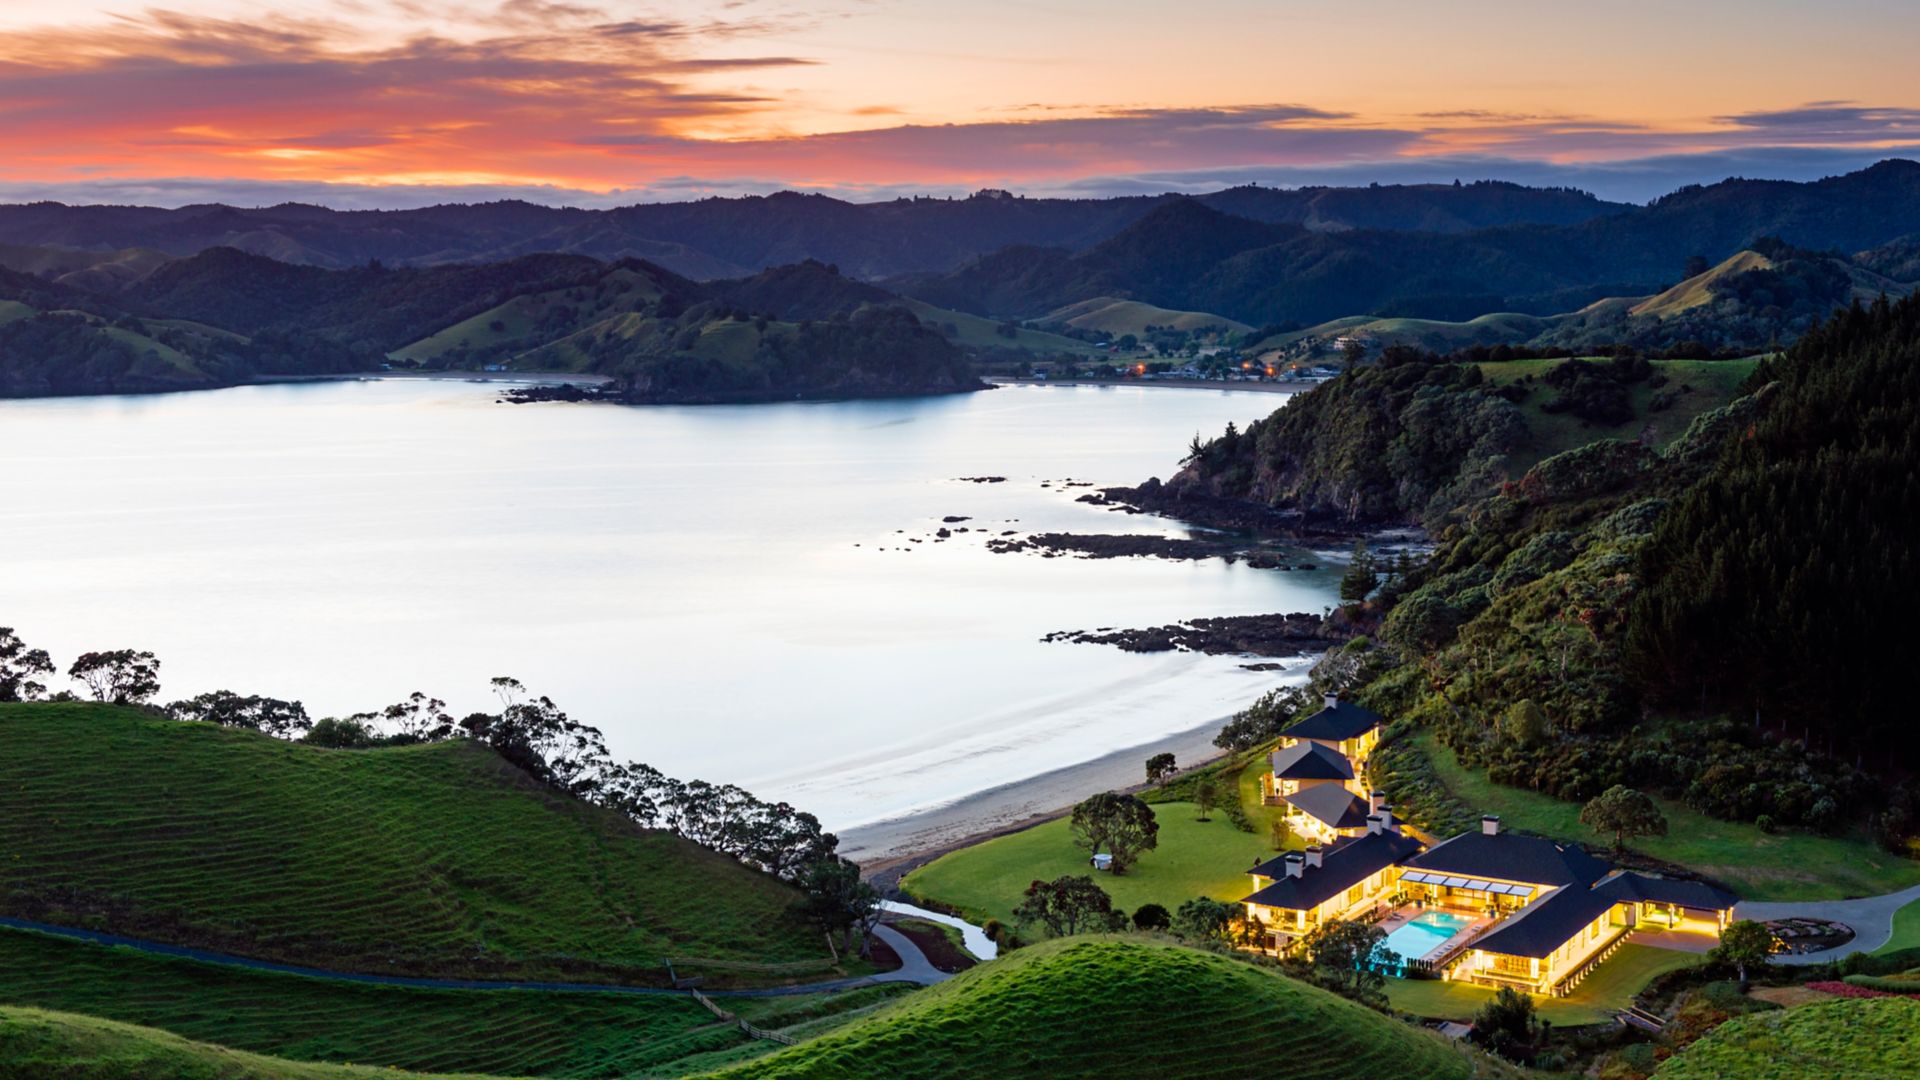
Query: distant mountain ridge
(1189, 255)
(732, 237)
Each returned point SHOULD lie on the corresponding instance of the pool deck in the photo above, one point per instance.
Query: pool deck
(1406, 913)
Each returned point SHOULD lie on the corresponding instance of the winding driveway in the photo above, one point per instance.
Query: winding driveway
(1870, 916)
(914, 968)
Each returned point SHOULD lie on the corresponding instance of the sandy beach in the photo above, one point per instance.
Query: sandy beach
(887, 849)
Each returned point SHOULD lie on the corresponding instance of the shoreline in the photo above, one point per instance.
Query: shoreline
(1173, 384)
(887, 850)
(437, 376)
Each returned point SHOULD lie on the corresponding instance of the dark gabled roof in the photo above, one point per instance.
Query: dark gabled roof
(1658, 890)
(1547, 923)
(1343, 866)
(1311, 761)
(1338, 722)
(1332, 804)
(1511, 857)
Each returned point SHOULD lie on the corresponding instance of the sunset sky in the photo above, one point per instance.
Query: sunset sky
(396, 102)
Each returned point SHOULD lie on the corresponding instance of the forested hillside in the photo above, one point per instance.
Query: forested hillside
(1713, 616)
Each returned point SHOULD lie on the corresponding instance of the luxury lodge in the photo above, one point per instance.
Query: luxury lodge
(1486, 906)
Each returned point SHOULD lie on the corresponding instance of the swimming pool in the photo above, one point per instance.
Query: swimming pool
(1426, 932)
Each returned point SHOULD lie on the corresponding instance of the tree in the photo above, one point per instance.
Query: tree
(1695, 266)
(1744, 943)
(1625, 813)
(1347, 958)
(1262, 721)
(1123, 824)
(1151, 917)
(540, 738)
(281, 719)
(418, 719)
(1206, 794)
(1353, 352)
(1282, 832)
(1508, 1025)
(836, 898)
(1064, 905)
(1160, 768)
(1204, 919)
(1360, 578)
(343, 732)
(21, 668)
(118, 676)
(1525, 723)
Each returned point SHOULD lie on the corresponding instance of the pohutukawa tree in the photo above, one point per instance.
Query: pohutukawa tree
(1066, 905)
(1122, 824)
(1160, 768)
(21, 668)
(1625, 813)
(118, 676)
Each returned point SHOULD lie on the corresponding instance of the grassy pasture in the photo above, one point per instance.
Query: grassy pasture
(1861, 1039)
(1708, 384)
(35, 1044)
(1124, 1006)
(511, 1033)
(1756, 865)
(434, 860)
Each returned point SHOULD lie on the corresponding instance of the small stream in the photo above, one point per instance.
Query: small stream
(976, 939)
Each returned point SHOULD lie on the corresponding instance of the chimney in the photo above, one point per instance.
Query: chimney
(1314, 852)
(1490, 825)
(1376, 825)
(1332, 699)
(1296, 864)
(1376, 799)
(1387, 824)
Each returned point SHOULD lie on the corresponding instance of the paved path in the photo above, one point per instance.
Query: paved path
(915, 968)
(1871, 918)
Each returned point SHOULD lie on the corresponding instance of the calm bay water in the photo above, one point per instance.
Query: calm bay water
(706, 585)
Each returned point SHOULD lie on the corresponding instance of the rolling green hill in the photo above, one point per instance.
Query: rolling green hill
(35, 1045)
(1688, 388)
(1105, 1007)
(975, 332)
(434, 859)
(1862, 1039)
(1113, 316)
(516, 1033)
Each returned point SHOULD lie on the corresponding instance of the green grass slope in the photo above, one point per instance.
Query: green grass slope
(430, 859)
(1862, 1039)
(1694, 387)
(37, 1045)
(1123, 1006)
(974, 332)
(534, 319)
(329, 1020)
(1110, 316)
(1697, 291)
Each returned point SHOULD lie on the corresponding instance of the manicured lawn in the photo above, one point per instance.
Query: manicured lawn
(1757, 866)
(1608, 990)
(1193, 859)
(1906, 929)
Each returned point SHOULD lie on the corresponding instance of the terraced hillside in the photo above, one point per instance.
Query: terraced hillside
(435, 859)
(514, 1033)
(36, 1044)
(1105, 1007)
